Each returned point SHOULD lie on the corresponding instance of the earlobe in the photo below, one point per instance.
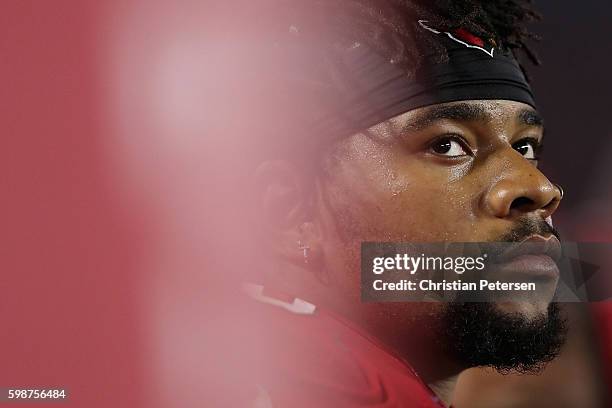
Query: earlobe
(283, 208)
(310, 248)
(287, 216)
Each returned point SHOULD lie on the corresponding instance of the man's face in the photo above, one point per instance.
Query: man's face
(456, 172)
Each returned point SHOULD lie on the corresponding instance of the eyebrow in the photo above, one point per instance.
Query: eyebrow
(465, 112)
(530, 117)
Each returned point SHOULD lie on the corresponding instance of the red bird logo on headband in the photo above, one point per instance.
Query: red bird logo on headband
(462, 37)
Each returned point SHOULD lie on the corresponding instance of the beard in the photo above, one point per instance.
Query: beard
(478, 334)
(481, 335)
(474, 334)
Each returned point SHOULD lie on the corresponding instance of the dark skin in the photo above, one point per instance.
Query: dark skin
(462, 171)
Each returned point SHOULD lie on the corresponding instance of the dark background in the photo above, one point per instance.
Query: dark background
(573, 87)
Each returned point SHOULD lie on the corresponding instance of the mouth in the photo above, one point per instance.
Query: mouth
(534, 258)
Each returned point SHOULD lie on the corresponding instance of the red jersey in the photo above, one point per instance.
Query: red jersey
(309, 357)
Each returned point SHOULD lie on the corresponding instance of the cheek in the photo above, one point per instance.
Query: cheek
(383, 193)
(394, 206)
(438, 203)
(427, 212)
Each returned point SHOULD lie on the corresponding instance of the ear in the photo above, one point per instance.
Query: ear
(286, 214)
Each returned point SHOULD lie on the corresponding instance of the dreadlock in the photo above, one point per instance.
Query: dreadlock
(388, 26)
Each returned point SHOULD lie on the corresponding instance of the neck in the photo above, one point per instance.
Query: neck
(438, 371)
(416, 341)
(413, 340)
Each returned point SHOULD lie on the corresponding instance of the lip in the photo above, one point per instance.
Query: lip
(533, 245)
(536, 256)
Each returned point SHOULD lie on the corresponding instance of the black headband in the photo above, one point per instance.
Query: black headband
(361, 88)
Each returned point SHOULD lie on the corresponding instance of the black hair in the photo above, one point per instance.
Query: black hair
(388, 26)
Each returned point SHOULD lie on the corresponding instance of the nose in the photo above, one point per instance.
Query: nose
(520, 190)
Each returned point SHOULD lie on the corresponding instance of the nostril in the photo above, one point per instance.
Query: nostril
(551, 204)
(522, 203)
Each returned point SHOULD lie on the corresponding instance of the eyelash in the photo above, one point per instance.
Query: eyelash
(538, 146)
(457, 138)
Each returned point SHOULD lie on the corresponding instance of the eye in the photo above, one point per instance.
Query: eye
(448, 146)
(528, 148)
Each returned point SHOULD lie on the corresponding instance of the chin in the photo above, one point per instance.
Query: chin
(512, 337)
